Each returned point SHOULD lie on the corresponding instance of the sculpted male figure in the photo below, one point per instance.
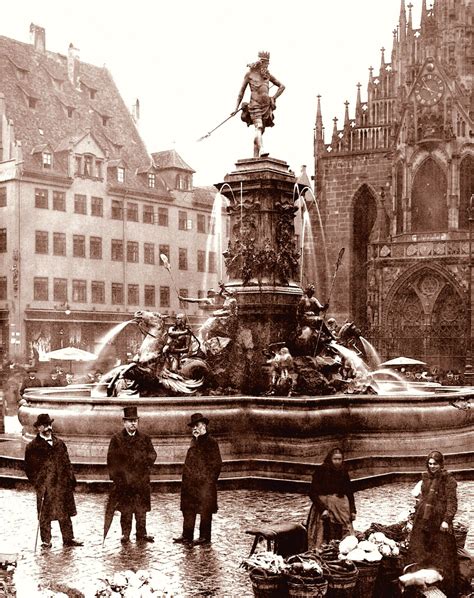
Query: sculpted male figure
(259, 111)
(130, 458)
(48, 467)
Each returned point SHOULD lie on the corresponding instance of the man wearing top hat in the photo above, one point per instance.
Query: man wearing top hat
(130, 458)
(202, 467)
(48, 467)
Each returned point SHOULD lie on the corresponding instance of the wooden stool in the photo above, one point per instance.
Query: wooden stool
(288, 537)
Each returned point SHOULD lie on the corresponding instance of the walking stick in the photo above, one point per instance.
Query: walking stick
(338, 263)
(39, 518)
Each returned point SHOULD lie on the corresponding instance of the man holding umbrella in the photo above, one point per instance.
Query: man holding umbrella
(48, 467)
(130, 458)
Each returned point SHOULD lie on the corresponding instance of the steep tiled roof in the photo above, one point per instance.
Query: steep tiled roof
(204, 195)
(25, 72)
(170, 159)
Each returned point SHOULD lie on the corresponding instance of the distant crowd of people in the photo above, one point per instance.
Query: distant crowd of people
(444, 377)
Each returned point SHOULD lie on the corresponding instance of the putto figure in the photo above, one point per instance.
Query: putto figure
(259, 111)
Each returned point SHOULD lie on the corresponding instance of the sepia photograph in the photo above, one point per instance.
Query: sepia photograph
(236, 299)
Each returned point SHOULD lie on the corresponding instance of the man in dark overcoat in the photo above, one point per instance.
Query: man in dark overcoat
(48, 467)
(202, 468)
(130, 458)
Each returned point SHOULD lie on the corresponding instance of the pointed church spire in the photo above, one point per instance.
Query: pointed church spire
(382, 58)
(335, 136)
(358, 103)
(319, 120)
(346, 115)
(410, 18)
(424, 14)
(402, 21)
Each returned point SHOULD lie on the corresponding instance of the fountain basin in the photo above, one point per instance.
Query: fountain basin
(274, 437)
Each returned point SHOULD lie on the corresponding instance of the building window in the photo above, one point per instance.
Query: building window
(41, 241)
(3, 240)
(97, 206)
(121, 174)
(150, 300)
(59, 201)
(151, 180)
(117, 210)
(149, 253)
(79, 291)
(132, 252)
(60, 290)
(80, 204)
(132, 212)
(95, 248)
(59, 244)
(97, 291)
(41, 198)
(148, 214)
(70, 112)
(78, 169)
(98, 169)
(212, 262)
(164, 296)
(182, 220)
(32, 102)
(201, 223)
(162, 216)
(211, 225)
(117, 250)
(132, 294)
(40, 288)
(3, 288)
(88, 166)
(183, 293)
(165, 250)
(117, 293)
(105, 120)
(47, 160)
(3, 197)
(79, 246)
(183, 258)
(201, 260)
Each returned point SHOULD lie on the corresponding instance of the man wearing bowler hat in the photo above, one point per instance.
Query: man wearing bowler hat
(130, 458)
(202, 467)
(48, 467)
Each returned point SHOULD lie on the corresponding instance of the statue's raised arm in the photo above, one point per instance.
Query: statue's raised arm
(259, 110)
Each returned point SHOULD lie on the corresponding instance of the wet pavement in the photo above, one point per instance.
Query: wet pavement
(200, 571)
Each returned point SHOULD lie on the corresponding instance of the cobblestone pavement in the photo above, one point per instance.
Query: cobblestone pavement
(199, 571)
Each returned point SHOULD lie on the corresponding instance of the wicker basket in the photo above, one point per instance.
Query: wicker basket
(271, 586)
(342, 585)
(366, 580)
(308, 588)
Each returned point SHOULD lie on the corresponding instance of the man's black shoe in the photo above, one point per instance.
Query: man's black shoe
(145, 539)
(201, 541)
(182, 540)
(125, 539)
(73, 543)
(46, 545)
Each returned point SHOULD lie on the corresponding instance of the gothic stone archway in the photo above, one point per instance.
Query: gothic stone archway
(426, 319)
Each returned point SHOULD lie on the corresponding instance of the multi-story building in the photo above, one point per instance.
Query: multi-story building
(394, 186)
(85, 212)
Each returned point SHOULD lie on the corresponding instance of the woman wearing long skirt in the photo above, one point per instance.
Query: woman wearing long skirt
(432, 541)
(333, 509)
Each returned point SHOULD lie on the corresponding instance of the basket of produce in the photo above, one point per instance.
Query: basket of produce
(304, 576)
(460, 533)
(266, 574)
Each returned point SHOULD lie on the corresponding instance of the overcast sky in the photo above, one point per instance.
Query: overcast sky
(185, 61)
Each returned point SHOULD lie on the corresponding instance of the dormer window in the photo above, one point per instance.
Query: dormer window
(92, 93)
(32, 102)
(121, 174)
(151, 180)
(105, 120)
(88, 165)
(70, 112)
(47, 160)
(21, 74)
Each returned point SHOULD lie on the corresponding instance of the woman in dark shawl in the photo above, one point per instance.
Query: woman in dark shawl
(432, 541)
(333, 509)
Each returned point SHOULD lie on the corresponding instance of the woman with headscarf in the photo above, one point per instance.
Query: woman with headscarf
(432, 541)
(333, 509)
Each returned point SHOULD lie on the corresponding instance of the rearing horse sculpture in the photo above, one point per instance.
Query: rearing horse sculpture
(148, 369)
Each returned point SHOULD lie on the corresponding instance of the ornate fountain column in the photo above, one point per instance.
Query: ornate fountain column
(262, 259)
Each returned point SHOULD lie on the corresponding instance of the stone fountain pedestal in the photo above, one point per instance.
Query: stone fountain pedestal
(262, 261)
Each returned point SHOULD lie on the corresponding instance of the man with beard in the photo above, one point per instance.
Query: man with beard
(259, 111)
(48, 467)
(202, 467)
(130, 458)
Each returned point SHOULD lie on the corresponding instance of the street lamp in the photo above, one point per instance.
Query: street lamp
(468, 372)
